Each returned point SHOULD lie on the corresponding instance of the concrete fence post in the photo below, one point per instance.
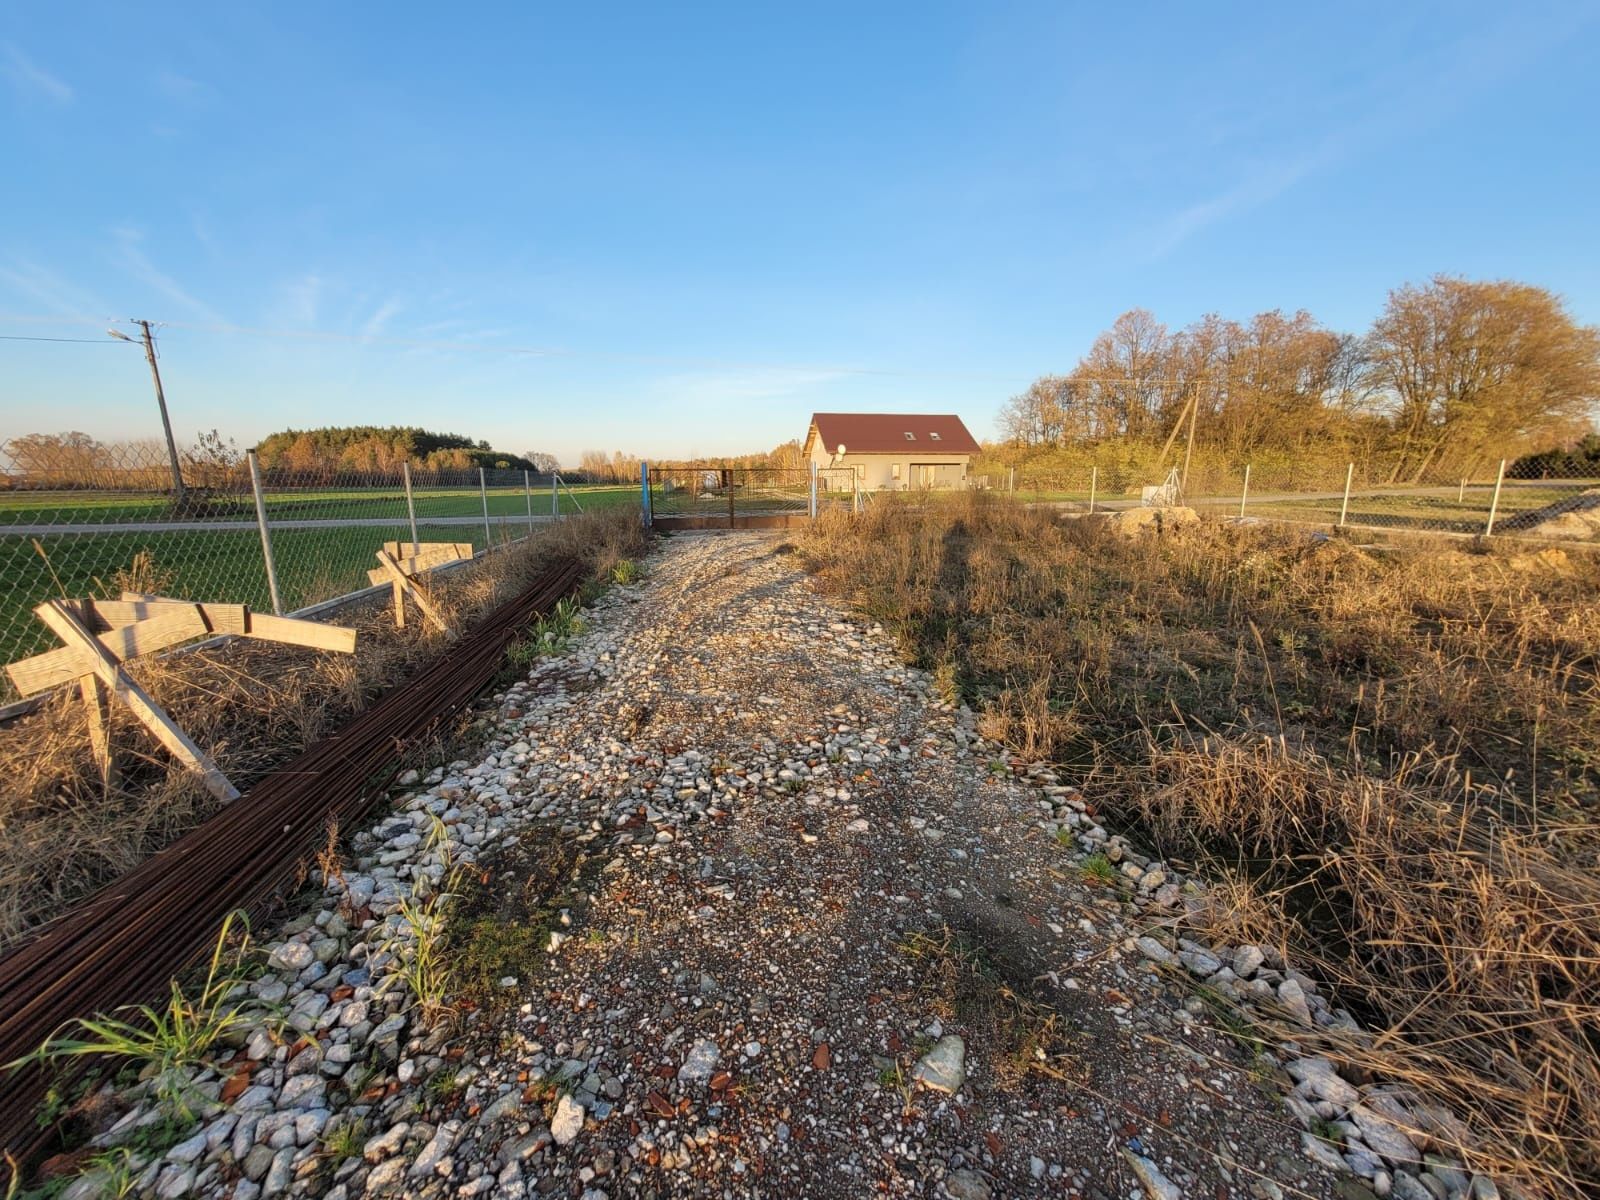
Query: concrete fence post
(812, 503)
(266, 534)
(1461, 491)
(1244, 492)
(1094, 483)
(411, 508)
(1494, 501)
(483, 494)
(527, 492)
(1011, 485)
(1344, 506)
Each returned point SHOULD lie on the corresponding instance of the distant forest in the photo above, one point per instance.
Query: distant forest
(386, 448)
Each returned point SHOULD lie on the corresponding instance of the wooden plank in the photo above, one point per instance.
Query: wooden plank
(219, 618)
(402, 550)
(403, 581)
(399, 600)
(60, 617)
(295, 632)
(291, 630)
(416, 564)
(175, 623)
(95, 702)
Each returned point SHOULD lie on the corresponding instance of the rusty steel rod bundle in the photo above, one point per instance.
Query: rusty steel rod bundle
(123, 944)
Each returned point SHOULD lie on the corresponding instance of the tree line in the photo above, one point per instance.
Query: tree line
(1453, 375)
(379, 449)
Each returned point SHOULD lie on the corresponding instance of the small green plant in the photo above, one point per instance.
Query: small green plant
(625, 572)
(118, 1170)
(420, 961)
(165, 1041)
(344, 1139)
(1097, 868)
(1064, 836)
(890, 1077)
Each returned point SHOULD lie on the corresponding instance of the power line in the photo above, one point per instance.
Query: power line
(17, 337)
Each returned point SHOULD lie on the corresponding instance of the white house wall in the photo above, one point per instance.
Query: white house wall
(877, 471)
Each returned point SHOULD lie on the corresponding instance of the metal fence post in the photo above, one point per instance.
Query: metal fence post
(1094, 483)
(1494, 501)
(1461, 491)
(1244, 493)
(855, 486)
(813, 490)
(266, 534)
(555, 495)
(527, 491)
(1344, 507)
(411, 508)
(483, 493)
(644, 491)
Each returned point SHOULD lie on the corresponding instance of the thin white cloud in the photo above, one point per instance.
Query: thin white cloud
(386, 312)
(1259, 187)
(32, 80)
(44, 287)
(133, 259)
(180, 87)
(744, 386)
(302, 299)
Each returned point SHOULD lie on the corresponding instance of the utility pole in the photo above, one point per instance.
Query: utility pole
(161, 402)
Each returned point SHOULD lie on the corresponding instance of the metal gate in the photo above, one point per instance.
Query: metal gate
(707, 497)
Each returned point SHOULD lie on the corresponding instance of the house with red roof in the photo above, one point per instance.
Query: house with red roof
(893, 451)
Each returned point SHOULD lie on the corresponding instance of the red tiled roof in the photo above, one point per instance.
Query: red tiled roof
(885, 433)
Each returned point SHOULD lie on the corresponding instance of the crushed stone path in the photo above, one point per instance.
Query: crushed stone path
(789, 928)
(753, 996)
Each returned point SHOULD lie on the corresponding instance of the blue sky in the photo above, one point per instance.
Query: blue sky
(679, 229)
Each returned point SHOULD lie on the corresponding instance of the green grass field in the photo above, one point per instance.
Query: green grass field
(89, 508)
(225, 563)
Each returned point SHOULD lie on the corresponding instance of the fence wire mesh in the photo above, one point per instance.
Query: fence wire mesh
(747, 491)
(79, 518)
(1532, 499)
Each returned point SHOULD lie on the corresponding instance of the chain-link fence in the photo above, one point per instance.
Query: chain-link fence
(733, 492)
(78, 518)
(1511, 499)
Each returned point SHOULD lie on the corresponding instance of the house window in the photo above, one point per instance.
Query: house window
(934, 436)
(910, 437)
(894, 470)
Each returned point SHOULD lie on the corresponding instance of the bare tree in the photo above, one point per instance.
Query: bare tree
(1475, 370)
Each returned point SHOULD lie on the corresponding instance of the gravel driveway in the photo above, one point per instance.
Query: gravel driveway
(787, 927)
(806, 874)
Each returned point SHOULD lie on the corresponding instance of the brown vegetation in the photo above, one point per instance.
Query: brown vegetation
(1454, 375)
(1385, 759)
(251, 705)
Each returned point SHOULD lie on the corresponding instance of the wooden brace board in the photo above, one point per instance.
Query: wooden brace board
(291, 631)
(428, 556)
(58, 615)
(102, 635)
(404, 585)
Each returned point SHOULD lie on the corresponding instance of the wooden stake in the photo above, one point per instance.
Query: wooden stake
(58, 615)
(96, 704)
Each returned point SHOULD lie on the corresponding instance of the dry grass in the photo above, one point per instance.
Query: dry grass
(1386, 760)
(251, 705)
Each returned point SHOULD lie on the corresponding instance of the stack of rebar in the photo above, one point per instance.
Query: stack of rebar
(125, 943)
